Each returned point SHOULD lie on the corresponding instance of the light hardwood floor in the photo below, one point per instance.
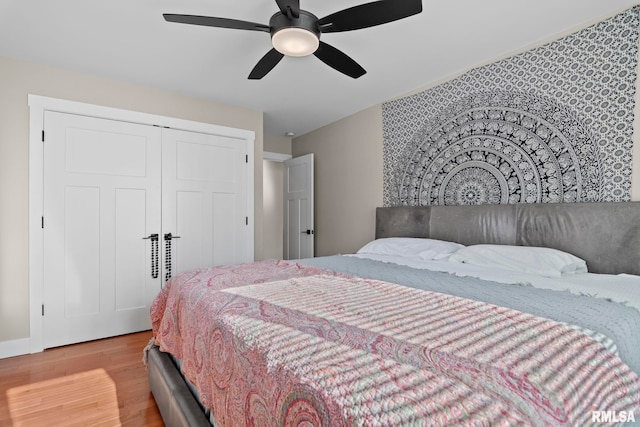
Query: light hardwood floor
(99, 383)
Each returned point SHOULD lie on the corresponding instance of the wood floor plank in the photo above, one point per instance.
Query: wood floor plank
(98, 383)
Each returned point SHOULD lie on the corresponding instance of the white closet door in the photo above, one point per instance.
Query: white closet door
(101, 197)
(204, 198)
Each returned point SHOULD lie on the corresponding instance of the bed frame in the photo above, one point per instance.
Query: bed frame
(178, 406)
(605, 235)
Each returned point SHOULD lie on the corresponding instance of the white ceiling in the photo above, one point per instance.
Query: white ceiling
(129, 40)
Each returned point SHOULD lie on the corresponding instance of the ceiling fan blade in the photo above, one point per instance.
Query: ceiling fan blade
(369, 15)
(291, 8)
(210, 21)
(266, 64)
(338, 60)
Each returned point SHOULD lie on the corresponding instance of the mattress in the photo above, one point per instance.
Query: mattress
(338, 341)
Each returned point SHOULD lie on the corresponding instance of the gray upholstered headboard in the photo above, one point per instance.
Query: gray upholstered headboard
(606, 235)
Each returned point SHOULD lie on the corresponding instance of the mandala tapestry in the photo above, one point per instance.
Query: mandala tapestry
(554, 124)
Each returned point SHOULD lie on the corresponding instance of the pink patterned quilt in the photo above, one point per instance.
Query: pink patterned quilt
(279, 344)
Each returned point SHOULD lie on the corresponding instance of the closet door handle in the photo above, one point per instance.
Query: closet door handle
(154, 253)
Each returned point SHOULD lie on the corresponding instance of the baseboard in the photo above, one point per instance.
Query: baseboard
(14, 348)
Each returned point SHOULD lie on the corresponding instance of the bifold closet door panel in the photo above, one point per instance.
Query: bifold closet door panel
(102, 196)
(204, 197)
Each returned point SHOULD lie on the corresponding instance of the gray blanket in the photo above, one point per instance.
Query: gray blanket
(617, 321)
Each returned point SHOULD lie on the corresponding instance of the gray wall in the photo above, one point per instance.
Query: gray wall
(348, 180)
(273, 208)
(273, 197)
(349, 172)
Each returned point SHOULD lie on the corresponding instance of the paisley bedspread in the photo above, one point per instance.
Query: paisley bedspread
(277, 343)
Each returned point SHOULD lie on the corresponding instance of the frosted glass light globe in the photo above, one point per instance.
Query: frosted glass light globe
(295, 42)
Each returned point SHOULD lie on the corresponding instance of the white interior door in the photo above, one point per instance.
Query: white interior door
(101, 198)
(204, 197)
(298, 208)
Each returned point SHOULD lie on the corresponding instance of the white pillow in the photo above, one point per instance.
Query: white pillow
(411, 247)
(526, 259)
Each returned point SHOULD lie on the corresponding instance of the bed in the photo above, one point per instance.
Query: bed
(469, 324)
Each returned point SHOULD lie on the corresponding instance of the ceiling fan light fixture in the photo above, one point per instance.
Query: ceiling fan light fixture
(294, 41)
(296, 32)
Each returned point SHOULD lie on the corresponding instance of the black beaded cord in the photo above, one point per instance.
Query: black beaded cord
(167, 256)
(154, 257)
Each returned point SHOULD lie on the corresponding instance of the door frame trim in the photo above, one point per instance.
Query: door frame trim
(37, 107)
(275, 157)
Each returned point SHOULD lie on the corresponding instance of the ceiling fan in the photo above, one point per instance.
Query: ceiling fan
(296, 32)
